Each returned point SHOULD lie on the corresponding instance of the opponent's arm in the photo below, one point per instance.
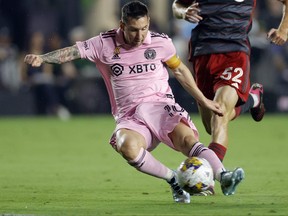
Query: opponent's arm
(185, 78)
(189, 13)
(279, 36)
(55, 57)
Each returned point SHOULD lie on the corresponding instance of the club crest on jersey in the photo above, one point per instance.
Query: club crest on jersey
(150, 54)
(116, 53)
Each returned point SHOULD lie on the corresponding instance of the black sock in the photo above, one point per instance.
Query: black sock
(248, 105)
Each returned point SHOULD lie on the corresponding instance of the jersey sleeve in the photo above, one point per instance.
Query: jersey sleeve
(171, 58)
(169, 48)
(90, 48)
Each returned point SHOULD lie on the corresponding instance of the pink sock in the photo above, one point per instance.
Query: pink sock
(199, 150)
(146, 163)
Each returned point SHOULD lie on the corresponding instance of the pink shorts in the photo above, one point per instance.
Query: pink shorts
(154, 121)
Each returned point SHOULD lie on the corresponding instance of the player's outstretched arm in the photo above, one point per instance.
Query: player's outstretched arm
(55, 57)
(189, 13)
(185, 78)
(279, 36)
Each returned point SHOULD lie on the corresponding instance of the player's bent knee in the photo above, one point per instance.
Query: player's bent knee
(129, 150)
(188, 143)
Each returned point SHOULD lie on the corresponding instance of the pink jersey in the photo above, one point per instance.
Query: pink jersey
(132, 75)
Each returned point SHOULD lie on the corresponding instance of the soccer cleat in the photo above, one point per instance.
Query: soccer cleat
(257, 112)
(209, 192)
(230, 180)
(179, 195)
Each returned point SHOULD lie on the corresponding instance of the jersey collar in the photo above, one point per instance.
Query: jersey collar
(120, 38)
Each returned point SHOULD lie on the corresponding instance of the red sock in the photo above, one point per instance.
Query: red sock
(244, 107)
(219, 150)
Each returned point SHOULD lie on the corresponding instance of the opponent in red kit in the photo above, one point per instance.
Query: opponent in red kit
(219, 50)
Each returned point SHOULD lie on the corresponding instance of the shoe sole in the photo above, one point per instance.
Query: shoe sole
(183, 201)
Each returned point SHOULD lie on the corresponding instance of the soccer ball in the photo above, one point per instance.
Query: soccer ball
(195, 175)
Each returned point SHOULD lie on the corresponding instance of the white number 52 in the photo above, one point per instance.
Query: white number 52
(233, 74)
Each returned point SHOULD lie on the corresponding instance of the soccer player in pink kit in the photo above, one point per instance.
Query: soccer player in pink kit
(132, 61)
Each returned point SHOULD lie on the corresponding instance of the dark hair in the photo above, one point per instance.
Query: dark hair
(134, 9)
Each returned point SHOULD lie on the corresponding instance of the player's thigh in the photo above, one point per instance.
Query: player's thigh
(183, 137)
(129, 143)
(232, 69)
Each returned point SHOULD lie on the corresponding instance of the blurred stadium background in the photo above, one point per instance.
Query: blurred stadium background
(33, 26)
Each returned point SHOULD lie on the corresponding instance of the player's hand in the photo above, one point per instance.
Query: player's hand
(191, 14)
(34, 60)
(214, 107)
(277, 37)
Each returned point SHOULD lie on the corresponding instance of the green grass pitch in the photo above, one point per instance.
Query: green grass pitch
(49, 167)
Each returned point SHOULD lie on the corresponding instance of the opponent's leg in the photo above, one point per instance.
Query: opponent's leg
(227, 97)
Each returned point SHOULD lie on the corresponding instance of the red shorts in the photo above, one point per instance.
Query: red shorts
(216, 70)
